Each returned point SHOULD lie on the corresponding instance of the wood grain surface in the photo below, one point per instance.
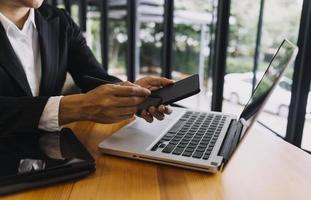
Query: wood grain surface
(264, 167)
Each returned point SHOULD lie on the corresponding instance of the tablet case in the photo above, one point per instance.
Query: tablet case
(30, 165)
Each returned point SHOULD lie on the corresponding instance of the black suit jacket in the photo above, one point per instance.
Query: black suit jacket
(63, 49)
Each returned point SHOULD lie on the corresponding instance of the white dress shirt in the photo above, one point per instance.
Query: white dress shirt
(26, 46)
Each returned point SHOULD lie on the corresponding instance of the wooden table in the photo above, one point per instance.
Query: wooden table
(264, 167)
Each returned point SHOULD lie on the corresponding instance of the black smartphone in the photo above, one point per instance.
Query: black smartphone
(172, 93)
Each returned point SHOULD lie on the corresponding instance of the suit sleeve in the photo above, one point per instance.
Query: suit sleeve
(81, 60)
(20, 113)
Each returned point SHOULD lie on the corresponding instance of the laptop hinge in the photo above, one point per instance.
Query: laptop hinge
(231, 140)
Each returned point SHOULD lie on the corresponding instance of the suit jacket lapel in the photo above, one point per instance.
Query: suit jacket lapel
(11, 63)
(48, 31)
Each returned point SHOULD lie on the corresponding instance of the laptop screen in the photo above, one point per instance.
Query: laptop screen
(284, 55)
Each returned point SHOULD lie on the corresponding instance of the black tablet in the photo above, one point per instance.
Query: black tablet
(37, 158)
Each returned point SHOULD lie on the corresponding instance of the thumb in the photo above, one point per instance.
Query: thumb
(160, 81)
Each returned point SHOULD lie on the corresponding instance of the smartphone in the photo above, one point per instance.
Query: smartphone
(172, 93)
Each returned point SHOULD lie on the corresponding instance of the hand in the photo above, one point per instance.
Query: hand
(154, 83)
(105, 104)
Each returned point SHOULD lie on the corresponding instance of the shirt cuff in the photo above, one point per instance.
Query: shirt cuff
(49, 118)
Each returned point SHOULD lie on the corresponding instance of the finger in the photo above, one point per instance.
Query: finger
(161, 108)
(128, 101)
(153, 88)
(160, 81)
(129, 91)
(127, 83)
(165, 109)
(168, 110)
(147, 116)
(154, 112)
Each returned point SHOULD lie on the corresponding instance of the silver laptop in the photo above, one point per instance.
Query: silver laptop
(197, 140)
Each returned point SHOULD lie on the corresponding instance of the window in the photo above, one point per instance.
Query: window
(150, 38)
(193, 31)
(283, 24)
(286, 84)
(280, 20)
(117, 37)
(240, 55)
(306, 138)
(194, 39)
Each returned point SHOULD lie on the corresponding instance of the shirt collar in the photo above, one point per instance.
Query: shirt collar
(7, 23)
(31, 17)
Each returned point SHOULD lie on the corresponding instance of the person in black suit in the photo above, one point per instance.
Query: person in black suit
(32, 73)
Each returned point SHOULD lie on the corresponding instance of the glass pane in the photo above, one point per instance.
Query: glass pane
(117, 38)
(306, 138)
(242, 39)
(288, 14)
(280, 20)
(193, 24)
(150, 38)
(117, 47)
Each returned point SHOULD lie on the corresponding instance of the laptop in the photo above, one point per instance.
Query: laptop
(203, 141)
(37, 158)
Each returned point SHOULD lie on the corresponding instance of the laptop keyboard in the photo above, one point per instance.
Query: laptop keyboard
(193, 135)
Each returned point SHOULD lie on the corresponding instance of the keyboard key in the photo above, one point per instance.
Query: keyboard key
(191, 149)
(169, 148)
(170, 134)
(200, 135)
(173, 142)
(200, 149)
(155, 147)
(197, 154)
(178, 138)
(203, 146)
(205, 157)
(187, 153)
(177, 126)
(197, 137)
(178, 151)
(208, 137)
(166, 138)
(182, 145)
(180, 135)
(187, 140)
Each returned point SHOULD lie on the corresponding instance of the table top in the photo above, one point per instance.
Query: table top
(263, 167)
